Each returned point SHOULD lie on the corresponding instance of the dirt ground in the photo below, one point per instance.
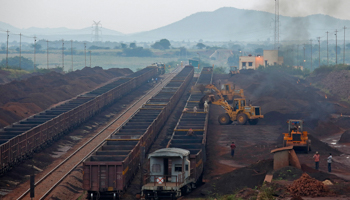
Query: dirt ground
(21, 99)
(281, 97)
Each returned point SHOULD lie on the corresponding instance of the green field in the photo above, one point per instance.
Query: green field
(106, 60)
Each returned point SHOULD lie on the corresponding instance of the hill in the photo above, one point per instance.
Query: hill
(224, 24)
(234, 24)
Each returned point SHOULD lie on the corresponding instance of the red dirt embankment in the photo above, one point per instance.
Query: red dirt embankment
(21, 99)
(336, 82)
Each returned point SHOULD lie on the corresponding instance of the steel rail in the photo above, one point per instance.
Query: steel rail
(164, 82)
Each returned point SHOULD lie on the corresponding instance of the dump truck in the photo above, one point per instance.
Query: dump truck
(296, 137)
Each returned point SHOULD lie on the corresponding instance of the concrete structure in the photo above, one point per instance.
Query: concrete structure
(270, 57)
(285, 156)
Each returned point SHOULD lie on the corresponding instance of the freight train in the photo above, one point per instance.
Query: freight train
(109, 170)
(177, 169)
(21, 139)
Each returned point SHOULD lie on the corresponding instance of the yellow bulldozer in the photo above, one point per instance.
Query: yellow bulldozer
(296, 137)
(234, 70)
(240, 111)
(226, 92)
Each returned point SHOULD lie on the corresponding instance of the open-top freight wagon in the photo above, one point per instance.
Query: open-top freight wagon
(21, 139)
(177, 169)
(109, 171)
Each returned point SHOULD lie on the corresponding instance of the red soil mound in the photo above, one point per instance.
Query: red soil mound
(307, 186)
(20, 99)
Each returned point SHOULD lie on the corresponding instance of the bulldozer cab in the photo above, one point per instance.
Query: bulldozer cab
(295, 125)
(239, 104)
(296, 137)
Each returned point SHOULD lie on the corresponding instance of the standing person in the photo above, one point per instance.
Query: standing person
(317, 160)
(329, 161)
(206, 106)
(233, 147)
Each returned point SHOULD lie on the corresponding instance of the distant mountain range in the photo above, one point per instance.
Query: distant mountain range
(224, 24)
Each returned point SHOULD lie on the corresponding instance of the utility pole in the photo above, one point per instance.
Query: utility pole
(47, 54)
(319, 51)
(71, 51)
(20, 49)
(34, 50)
(336, 46)
(7, 49)
(62, 54)
(344, 48)
(90, 58)
(298, 60)
(276, 36)
(304, 55)
(85, 53)
(311, 54)
(327, 50)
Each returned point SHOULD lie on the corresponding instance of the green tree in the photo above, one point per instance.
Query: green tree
(13, 62)
(38, 46)
(162, 44)
(123, 45)
(200, 46)
(132, 45)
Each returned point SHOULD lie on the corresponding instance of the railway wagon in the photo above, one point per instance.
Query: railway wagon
(171, 178)
(19, 140)
(110, 169)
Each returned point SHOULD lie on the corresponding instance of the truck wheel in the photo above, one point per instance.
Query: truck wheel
(224, 119)
(253, 121)
(242, 118)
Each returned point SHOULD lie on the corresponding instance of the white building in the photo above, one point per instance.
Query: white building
(270, 57)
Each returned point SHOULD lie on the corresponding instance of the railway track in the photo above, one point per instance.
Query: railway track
(48, 182)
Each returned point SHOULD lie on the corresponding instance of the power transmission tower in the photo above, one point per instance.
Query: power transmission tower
(327, 50)
(34, 50)
(319, 51)
(62, 54)
(336, 46)
(71, 51)
(20, 49)
(47, 54)
(85, 53)
(96, 31)
(276, 39)
(7, 49)
(311, 54)
(344, 48)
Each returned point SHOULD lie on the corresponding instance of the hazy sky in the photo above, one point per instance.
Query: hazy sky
(129, 16)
